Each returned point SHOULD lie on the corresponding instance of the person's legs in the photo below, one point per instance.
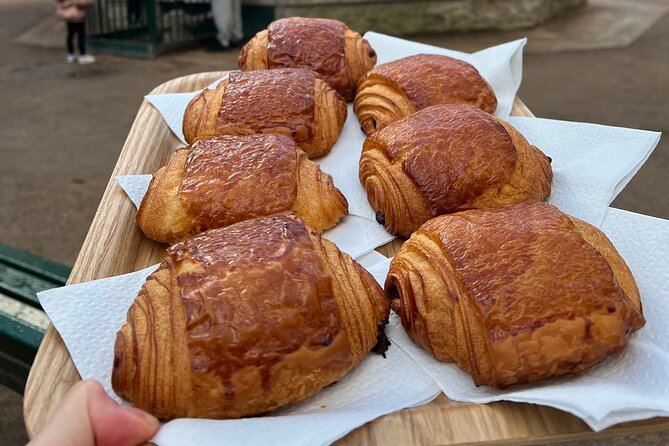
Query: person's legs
(70, 37)
(80, 29)
(84, 58)
(237, 25)
(228, 19)
(221, 11)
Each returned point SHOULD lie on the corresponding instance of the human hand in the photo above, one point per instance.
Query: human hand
(87, 416)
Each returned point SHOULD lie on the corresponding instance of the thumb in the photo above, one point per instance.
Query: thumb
(115, 425)
(89, 417)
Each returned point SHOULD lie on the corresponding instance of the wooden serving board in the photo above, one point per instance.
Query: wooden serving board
(114, 245)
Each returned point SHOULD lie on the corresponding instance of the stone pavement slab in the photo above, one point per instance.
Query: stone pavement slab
(601, 24)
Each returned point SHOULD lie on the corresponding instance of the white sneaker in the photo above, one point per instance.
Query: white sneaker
(86, 59)
(71, 58)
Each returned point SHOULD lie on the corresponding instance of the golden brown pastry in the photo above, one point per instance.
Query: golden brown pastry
(448, 158)
(227, 179)
(336, 54)
(400, 88)
(515, 294)
(241, 320)
(286, 101)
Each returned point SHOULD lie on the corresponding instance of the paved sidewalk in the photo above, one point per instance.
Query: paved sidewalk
(63, 125)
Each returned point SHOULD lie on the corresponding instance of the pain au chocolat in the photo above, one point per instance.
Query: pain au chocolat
(445, 159)
(226, 179)
(336, 54)
(400, 88)
(244, 319)
(515, 294)
(291, 102)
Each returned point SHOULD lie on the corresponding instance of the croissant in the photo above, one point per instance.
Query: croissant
(226, 179)
(445, 159)
(244, 319)
(515, 294)
(336, 54)
(287, 101)
(397, 89)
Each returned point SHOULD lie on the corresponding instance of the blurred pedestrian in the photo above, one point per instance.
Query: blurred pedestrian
(73, 13)
(228, 19)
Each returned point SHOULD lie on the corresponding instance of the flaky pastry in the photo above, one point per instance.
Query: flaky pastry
(244, 319)
(336, 54)
(400, 88)
(226, 179)
(514, 295)
(291, 102)
(448, 158)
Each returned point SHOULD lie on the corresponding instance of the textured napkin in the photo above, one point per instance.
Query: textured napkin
(376, 387)
(591, 163)
(629, 386)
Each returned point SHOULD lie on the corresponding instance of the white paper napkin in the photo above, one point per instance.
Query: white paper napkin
(591, 163)
(88, 315)
(172, 107)
(134, 186)
(630, 386)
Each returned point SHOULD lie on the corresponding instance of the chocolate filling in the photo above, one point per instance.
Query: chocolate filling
(382, 341)
(392, 292)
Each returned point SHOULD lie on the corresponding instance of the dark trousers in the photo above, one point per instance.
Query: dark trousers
(78, 28)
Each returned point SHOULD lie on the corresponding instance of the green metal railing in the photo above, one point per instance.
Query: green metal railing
(147, 28)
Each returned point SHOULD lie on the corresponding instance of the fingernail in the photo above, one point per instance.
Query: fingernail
(144, 416)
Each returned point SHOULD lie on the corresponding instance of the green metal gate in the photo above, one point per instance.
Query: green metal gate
(147, 28)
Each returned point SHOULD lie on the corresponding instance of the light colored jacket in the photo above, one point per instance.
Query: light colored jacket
(72, 10)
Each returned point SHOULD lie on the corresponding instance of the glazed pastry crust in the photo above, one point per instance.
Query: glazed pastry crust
(291, 102)
(227, 179)
(336, 54)
(445, 159)
(514, 295)
(398, 89)
(242, 320)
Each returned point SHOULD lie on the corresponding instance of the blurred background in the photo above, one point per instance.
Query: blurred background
(63, 125)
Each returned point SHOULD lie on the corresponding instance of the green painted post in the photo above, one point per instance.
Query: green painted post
(154, 32)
